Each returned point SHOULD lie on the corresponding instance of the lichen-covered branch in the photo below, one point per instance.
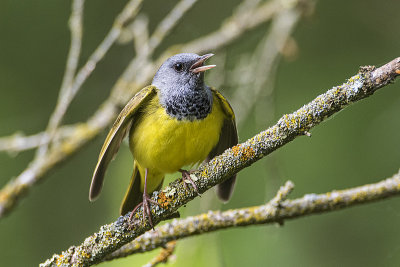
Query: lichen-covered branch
(204, 223)
(276, 211)
(136, 76)
(113, 236)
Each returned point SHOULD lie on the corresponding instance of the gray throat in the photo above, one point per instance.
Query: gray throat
(188, 104)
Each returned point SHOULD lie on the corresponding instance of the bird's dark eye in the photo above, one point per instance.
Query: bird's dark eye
(178, 67)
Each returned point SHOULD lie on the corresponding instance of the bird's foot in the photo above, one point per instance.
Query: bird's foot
(187, 179)
(146, 208)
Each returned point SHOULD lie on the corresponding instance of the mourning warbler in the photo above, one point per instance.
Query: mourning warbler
(174, 122)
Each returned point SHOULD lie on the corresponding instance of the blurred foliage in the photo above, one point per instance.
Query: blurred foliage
(358, 146)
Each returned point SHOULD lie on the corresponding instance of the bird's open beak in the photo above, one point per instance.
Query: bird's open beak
(198, 67)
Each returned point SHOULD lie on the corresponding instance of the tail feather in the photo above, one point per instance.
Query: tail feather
(225, 189)
(133, 195)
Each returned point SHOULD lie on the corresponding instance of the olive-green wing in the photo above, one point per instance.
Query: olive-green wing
(228, 138)
(115, 137)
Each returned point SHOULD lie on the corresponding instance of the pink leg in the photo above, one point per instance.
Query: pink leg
(145, 203)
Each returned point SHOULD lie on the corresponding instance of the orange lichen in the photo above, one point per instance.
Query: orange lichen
(60, 260)
(244, 152)
(247, 152)
(164, 200)
(236, 150)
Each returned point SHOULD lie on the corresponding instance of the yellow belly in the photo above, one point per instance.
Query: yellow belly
(163, 144)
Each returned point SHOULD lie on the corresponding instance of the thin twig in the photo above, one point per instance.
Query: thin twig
(262, 64)
(129, 12)
(113, 236)
(242, 20)
(75, 26)
(169, 22)
(164, 255)
(19, 142)
(141, 67)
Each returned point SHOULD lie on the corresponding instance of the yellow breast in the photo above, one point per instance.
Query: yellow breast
(164, 144)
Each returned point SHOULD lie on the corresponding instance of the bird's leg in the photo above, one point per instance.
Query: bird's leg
(145, 203)
(186, 177)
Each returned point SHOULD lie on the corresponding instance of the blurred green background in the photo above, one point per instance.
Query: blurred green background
(359, 145)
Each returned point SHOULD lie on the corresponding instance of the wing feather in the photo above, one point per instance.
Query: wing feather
(114, 138)
(227, 139)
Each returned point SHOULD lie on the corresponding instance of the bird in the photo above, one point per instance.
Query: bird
(176, 121)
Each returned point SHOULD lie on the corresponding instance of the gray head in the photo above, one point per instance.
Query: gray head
(180, 80)
(182, 71)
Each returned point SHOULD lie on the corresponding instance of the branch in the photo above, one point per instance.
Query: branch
(135, 77)
(113, 236)
(169, 22)
(78, 136)
(19, 142)
(76, 28)
(275, 211)
(207, 222)
(165, 254)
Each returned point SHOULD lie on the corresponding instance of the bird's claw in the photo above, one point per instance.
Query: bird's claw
(186, 178)
(146, 209)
